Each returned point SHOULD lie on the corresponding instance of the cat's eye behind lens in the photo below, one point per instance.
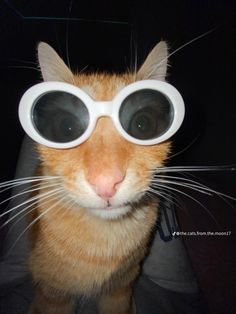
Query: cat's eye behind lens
(59, 116)
(146, 114)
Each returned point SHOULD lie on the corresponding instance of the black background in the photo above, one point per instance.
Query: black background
(107, 35)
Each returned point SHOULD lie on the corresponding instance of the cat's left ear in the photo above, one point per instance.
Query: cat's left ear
(52, 66)
(155, 65)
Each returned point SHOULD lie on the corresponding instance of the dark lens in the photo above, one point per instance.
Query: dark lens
(60, 116)
(146, 114)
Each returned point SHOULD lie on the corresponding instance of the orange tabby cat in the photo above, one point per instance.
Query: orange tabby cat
(95, 235)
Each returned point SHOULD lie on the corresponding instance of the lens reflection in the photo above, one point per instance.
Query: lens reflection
(146, 114)
(60, 116)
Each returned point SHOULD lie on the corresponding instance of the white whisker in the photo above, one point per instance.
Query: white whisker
(23, 61)
(23, 67)
(35, 220)
(160, 193)
(192, 184)
(29, 206)
(30, 200)
(158, 177)
(166, 196)
(41, 184)
(27, 180)
(10, 186)
(186, 185)
(195, 168)
(187, 195)
(185, 148)
(171, 199)
(28, 191)
(182, 46)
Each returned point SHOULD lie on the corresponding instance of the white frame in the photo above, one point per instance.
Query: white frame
(98, 109)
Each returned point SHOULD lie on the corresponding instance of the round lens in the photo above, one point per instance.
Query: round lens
(146, 114)
(60, 116)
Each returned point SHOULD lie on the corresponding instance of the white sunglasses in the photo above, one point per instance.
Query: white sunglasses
(60, 115)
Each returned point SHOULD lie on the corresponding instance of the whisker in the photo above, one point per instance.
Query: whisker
(18, 184)
(186, 185)
(27, 207)
(196, 187)
(173, 196)
(41, 184)
(28, 191)
(10, 186)
(176, 50)
(23, 67)
(134, 66)
(83, 69)
(67, 34)
(166, 196)
(195, 168)
(35, 220)
(182, 46)
(27, 180)
(29, 200)
(23, 61)
(188, 196)
(67, 40)
(201, 187)
(173, 199)
(160, 194)
(157, 177)
(186, 147)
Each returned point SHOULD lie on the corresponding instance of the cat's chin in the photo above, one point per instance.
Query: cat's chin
(110, 212)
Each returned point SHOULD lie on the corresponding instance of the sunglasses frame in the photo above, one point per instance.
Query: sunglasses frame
(99, 109)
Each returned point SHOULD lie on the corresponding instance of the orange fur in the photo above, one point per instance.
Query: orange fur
(75, 252)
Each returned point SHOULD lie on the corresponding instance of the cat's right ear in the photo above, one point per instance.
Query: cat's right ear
(52, 66)
(155, 65)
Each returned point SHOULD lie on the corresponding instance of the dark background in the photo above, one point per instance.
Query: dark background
(107, 35)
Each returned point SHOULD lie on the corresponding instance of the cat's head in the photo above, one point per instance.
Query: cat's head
(106, 173)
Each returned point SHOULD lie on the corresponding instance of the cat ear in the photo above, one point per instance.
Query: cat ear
(52, 66)
(155, 65)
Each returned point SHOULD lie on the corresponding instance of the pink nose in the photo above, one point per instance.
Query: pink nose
(106, 184)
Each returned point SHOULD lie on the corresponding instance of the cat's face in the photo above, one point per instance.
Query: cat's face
(105, 174)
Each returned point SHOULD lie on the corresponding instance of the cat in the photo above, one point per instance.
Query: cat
(96, 234)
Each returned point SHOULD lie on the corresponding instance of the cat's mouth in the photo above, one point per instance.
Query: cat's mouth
(109, 206)
(110, 211)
